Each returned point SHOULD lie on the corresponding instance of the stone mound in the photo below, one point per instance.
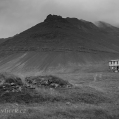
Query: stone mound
(10, 83)
(47, 81)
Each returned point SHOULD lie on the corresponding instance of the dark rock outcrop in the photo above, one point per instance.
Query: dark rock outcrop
(55, 18)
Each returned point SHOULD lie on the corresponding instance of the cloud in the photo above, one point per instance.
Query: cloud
(91, 9)
(19, 15)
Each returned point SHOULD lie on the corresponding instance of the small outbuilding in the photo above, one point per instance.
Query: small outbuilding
(114, 65)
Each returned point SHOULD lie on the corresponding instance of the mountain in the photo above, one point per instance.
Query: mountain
(60, 44)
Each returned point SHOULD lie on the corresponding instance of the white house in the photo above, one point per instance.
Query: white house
(114, 65)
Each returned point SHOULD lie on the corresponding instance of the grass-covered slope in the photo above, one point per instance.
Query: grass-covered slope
(94, 99)
(44, 89)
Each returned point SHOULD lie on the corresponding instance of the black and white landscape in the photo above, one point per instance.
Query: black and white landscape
(58, 69)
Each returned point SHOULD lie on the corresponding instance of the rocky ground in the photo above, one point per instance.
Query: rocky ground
(14, 89)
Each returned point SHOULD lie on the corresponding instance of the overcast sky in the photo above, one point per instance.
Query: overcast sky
(19, 15)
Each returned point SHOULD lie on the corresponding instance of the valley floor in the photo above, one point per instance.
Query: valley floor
(95, 96)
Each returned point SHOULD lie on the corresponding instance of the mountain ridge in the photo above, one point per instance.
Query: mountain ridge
(55, 27)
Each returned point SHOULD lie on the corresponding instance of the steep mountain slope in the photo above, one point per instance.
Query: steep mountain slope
(3, 40)
(59, 44)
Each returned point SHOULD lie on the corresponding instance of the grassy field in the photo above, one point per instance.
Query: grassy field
(95, 95)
